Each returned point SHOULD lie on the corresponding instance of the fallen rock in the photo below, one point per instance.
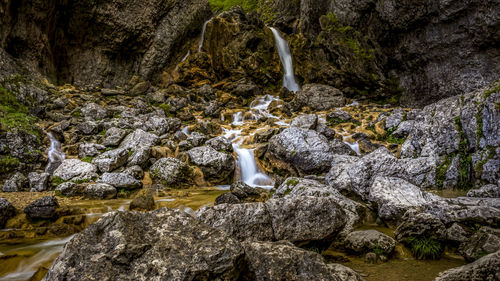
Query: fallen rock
(90, 149)
(74, 169)
(100, 191)
(143, 201)
(221, 144)
(227, 198)
(93, 111)
(305, 121)
(43, 208)
(319, 97)
(485, 268)
(160, 245)
(171, 172)
(18, 182)
(114, 136)
(7, 211)
(368, 241)
(38, 181)
(485, 241)
(415, 223)
(217, 166)
(120, 180)
(69, 189)
(111, 160)
(140, 143)
(488, 190)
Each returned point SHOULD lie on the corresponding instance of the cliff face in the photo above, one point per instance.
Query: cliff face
(98, 42)
(436, 48)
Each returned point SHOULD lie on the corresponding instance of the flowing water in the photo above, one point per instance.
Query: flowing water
(286, 61)
(55, 154)
(203, 29)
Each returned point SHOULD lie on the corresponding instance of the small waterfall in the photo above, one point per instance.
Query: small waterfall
(183, 59)
(286, 61)
(185, 130)
(250, 173)
(55, 154)
(203, 29)
(238, 118)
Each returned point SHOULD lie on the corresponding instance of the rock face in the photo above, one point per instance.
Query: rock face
(486, 268)
(74, 169)
(7, 211)
(43, 208)
(368, 241)
(170, 172)
(161, 245)
(122, 38)
(306, 151)
(217, 166)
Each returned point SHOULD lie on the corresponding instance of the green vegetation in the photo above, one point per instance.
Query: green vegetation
(492, 90)
(224, 5)
(82, 181)
(14, 115)
(292, 182)
(425, 247)
(441, 171)
(388, 137)
(87, 159)
(378, 250)
(8, 164)
(56, 180)
(465, 157)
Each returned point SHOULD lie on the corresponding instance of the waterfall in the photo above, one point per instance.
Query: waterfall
(286, 61)
(249, 171)
(183, 59)
(203, 29)
(238, 118)
(55, 154)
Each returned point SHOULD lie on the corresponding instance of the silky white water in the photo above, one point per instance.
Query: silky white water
(286, 61)
(55, 154)
(203, 29)
(250, 173)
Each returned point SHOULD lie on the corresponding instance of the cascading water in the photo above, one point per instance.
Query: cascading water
(55, 154)
(183, 59)
(250, 173)
(203, 29)
(286, 61)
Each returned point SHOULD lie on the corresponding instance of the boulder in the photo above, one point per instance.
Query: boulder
(319, 97)
(143, 201)
(38, 181)
(114, 136)
(338, 116)
(171, 172)
(160, 245)
(394, 119)
(227, 198)
(305, 121)
(485, 241)
(120, 180)
(305, 150)
(139, 143)
(485, 268)
(7, 211)
(415, 223)
(243, 190)
(74, 169)
(43, 208)
(111, 160)
(217, 166)
(135, 171)
(221, 144)
(404, 129)
(69, 189)
(283, 261)
(488, 190)
(93, 111)
(101, 191)
(90, 149)
(369, 241)
(18, 182)
(456, 234)
(241, 221)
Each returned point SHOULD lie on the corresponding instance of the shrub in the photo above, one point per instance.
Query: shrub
(425, 247)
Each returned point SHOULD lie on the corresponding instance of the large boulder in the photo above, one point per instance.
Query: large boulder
(43, 208)
(485, 241)
(7, 211)
(306, 151)
(420, 224)
(139, 143)
(485, 268)
(488, 190)
(120, 180)
(101, 191)
(369, 241)
(38, 181)
(74, 169)
(114, 136)
(18, 182)
(171, 172)
(160, 245)
(69, 189)
(217, 166)
(319, 97)
(111, 160)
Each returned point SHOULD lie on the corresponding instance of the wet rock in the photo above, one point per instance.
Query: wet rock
(227, 198)
(415, 223)
(305, 150)
(74, 169)
(319, 97)
(120, 180)
(132, 245)
(242, 221)
(488, 190)
(139, 89)
(371, 258)
(101, 191)
(93, 111)
(283, 261)
(212, 110)
(486, 268)
(339, 115)
(217, 166)
(18, 182)
(38, 181)
(264, 136)
(245, 88)
(221, 144)
(69, 189)
(144, 200)
(323, 129)
(114, 136)
(90, 149)
(161, 125)
(305, 121)
(243, 190)
(171, 172)
(194, 139)
(305, 218)
(483, 242)
(43, 208)
(111, 160)
(394, 196)
(7, 211)
(369, 240)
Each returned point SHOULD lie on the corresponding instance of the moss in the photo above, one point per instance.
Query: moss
(87, 159)
(224, 5)
(491, 90)
(465, 157)
(15, 116)
(82, 181)
(388, 137)
(425, 247)
(56, 180)
(8, 164)
(479, 120)
(441, 171)
(378, 250)
(77, 113)
(292, 182)
(288, 191)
